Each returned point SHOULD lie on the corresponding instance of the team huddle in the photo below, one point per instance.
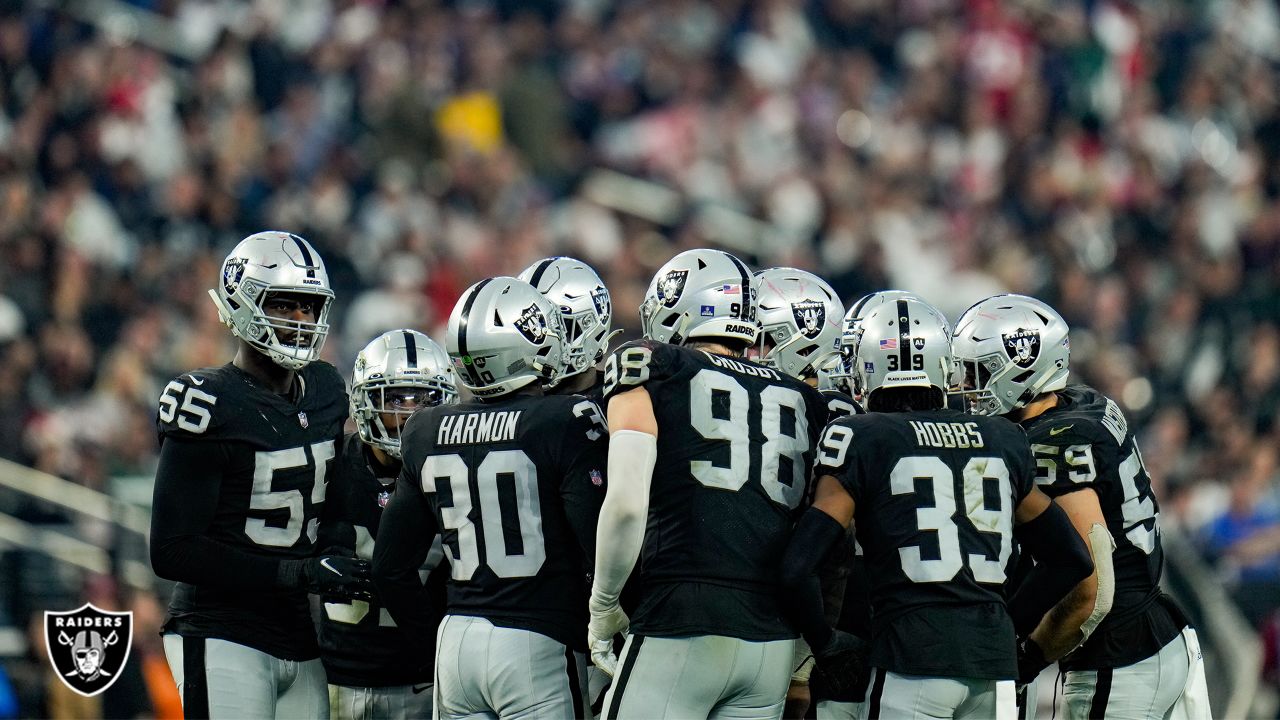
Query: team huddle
(766, 506)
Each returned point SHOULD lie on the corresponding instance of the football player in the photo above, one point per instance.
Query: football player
(1131, 650)
(800, 323)
(712, 453)
(374, 669)
(936, 495)
(513, 483)
(587, 313)
(246, 452)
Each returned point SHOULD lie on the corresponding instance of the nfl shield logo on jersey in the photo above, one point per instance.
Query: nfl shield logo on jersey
(88, 646)
(302, 420)
(1022, 346)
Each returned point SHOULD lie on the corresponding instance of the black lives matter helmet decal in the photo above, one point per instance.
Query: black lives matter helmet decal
(88, 647)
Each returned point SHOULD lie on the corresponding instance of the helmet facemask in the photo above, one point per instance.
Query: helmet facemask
(374, 400)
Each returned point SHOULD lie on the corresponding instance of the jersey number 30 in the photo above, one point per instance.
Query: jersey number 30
(513, 558)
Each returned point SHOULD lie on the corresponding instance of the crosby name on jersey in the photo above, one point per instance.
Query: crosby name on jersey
(730, 477)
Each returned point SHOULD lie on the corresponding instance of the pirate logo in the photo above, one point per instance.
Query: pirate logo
(811, 317)
(232, 272)
(671, 286)
(600, 298)
(88, 646)
(532, 324)
(1022, 346)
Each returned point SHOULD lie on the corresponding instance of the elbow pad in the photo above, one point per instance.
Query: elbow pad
(1102, 545)
(620, 529)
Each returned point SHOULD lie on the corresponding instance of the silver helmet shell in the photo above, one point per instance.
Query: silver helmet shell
(503, 335)
(264, 264)
(701, 294)
(393, 365)
(801, 317)
(904, 343)
(585, 308)
(1011, 348)
(851, 330)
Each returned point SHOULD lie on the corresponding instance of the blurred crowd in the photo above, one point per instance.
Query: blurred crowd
(1118, 159)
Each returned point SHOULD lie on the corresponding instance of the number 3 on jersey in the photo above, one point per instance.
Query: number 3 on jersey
(449, 474)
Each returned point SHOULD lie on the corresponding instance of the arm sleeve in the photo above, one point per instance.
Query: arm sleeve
(800, 591)
(584, 455)
(1062, 561)
(624, 513)
(405, 533)
(185, 500)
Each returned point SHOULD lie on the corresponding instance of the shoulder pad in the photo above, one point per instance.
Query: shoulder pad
(188, 405)
(636, 363)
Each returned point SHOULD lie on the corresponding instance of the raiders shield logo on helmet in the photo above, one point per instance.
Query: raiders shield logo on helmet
(1022, 346)
(810, 316)
(232, 271)
(88, 646)
(600, 298)
(532, 324)
(671, 286)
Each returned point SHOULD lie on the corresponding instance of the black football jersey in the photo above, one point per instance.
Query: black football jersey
(359, 642)
(281, 453)
(515, 487)
(1085, 442)
(735, 447)
(840, 404)
(934, 495)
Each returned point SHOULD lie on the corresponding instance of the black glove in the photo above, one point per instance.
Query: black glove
(1030, 661)
(328, 575)
(840, 668)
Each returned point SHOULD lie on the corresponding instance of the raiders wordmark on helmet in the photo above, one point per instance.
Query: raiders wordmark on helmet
(88, 646)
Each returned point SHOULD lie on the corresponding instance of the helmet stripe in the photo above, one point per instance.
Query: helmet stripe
(410, 349)
(904, 335)
(306, 255)
(542, 268)
(463, 322)
(743, 313)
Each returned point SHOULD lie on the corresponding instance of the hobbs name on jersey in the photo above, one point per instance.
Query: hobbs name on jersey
(481, 427)
(947, 434)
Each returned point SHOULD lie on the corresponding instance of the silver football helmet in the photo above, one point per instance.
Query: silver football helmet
(397, 373)
(800, 317)
(852, 328)
(585, 308)
(701, 294)
(502, 335)
(1012, 348)
(904, 343)
(264, 264)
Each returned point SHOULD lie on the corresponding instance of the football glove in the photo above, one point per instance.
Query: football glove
(840, 666)
(333, 575)
(606, 622)
(1031, 661)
